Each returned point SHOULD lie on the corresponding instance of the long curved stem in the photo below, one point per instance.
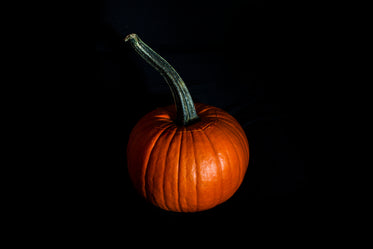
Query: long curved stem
(186, 112)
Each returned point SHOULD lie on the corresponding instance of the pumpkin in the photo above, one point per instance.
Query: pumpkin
(185, 157)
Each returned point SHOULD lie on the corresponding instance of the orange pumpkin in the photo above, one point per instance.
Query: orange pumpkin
(185, 157)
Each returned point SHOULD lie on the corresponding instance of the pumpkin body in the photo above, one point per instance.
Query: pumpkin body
(187, 168)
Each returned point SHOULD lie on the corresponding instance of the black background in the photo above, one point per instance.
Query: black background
(250, 58)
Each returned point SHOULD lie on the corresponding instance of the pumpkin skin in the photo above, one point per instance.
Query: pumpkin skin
(187, 168)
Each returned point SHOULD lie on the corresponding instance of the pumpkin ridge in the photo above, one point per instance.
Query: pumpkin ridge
(229, 119)
(229, 172)
(205, 108)
(237, 154)
(207, 125)
(178, 173)
(147, 164)
(146, 159)
(221, 117)
(238, 133)
(241, 136)
(220, 168)
(164, 171)
(196, 171)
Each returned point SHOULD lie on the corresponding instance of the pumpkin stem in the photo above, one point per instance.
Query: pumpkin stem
(186, 112)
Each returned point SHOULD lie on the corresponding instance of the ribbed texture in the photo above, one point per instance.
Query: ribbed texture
(187, 168)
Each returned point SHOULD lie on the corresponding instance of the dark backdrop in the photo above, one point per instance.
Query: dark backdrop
(250, 58)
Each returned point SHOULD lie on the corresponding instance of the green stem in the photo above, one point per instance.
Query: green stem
(186, 112)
